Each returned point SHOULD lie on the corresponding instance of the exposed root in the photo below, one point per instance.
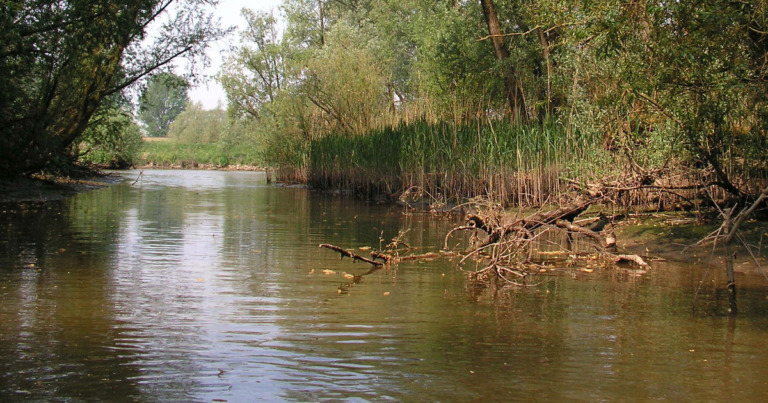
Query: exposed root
(509, 246)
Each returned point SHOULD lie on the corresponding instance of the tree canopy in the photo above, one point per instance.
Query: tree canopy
(161, 102)
(663, 83)
(198, 126)
(61, 59)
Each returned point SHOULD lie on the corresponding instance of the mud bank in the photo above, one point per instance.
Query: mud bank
(19, 190)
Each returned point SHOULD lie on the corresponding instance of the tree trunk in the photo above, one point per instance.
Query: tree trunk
(514, 94)
(545, 52)
(322, 23)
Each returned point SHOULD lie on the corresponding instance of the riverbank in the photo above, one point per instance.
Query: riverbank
(678, 236)
(174, 155)
(654, 235)
(196, 165)
(39, 189)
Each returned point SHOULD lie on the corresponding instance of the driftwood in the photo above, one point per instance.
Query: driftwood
(388, 258)
(395, 259)
(629, 258)
(561, 217)
(383, 256)
(527, 225)
(508, 238)
(503, 250)
(349, 254)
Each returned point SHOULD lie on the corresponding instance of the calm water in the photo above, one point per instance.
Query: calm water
(209, 286)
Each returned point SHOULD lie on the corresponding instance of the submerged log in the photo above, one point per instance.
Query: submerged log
(347, 253)
(630, 258)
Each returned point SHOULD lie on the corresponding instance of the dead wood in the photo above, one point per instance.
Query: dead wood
(383, 256)
(726, 234)
(429, 255)
(508, 249)
(349, 254)
(529, 224)
(629, 258)
(394, 259)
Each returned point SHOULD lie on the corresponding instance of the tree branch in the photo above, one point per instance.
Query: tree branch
(347, 253)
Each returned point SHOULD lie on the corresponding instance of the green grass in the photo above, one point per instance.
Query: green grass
(169, 153)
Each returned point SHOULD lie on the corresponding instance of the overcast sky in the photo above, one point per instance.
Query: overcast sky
(210, 92)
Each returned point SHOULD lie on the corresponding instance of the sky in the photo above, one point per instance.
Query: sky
(209, 92)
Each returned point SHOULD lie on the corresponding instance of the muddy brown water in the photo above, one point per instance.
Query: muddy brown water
(209, 286)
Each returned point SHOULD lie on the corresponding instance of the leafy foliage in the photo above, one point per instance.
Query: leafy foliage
(198, 126)
(61, 59)
(114, 141)
(254, 75)
(161, 102)
(648, 85)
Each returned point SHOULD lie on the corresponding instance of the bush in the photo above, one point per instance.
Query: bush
(113, 141)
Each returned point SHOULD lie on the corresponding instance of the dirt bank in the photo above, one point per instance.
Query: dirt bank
(43, 189)
(674, 236)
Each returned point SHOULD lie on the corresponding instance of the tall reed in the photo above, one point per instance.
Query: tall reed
(512, 164)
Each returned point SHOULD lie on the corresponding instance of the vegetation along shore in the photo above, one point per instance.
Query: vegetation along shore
(602, 107)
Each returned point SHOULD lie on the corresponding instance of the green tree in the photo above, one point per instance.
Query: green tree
(347, 81)
(690, 75)
(306, 22)
(198, 126)
(61, 59)
(112, 139)
(161, 102)
(255, 74)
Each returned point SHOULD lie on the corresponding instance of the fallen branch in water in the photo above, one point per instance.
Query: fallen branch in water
(508, 248)
(383, 256)
(349, 254)
(390, 259)
(629, 258)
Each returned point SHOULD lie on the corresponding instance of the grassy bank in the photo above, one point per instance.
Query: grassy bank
(513, 164)
(173, 154)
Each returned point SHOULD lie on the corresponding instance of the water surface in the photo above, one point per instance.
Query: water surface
(209, 286)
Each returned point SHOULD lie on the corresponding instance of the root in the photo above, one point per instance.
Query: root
(509, 245)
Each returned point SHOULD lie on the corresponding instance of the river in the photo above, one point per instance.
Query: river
(210, 286)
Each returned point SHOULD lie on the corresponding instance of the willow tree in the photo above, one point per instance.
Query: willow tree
(514, 94)
(691, 76)
(257, 71)
(165, 97)
(61, 59)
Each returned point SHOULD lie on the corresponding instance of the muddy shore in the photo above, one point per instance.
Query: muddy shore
(673, 236)
(20, 190)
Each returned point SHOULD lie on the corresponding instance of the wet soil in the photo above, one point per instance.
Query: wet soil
(677, 236)
(31, 190)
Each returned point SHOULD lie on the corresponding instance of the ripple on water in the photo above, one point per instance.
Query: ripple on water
(194, 287)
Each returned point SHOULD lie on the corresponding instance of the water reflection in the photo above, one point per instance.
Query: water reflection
(196, 286)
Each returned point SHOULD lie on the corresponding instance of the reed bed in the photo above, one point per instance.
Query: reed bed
(510, 164)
